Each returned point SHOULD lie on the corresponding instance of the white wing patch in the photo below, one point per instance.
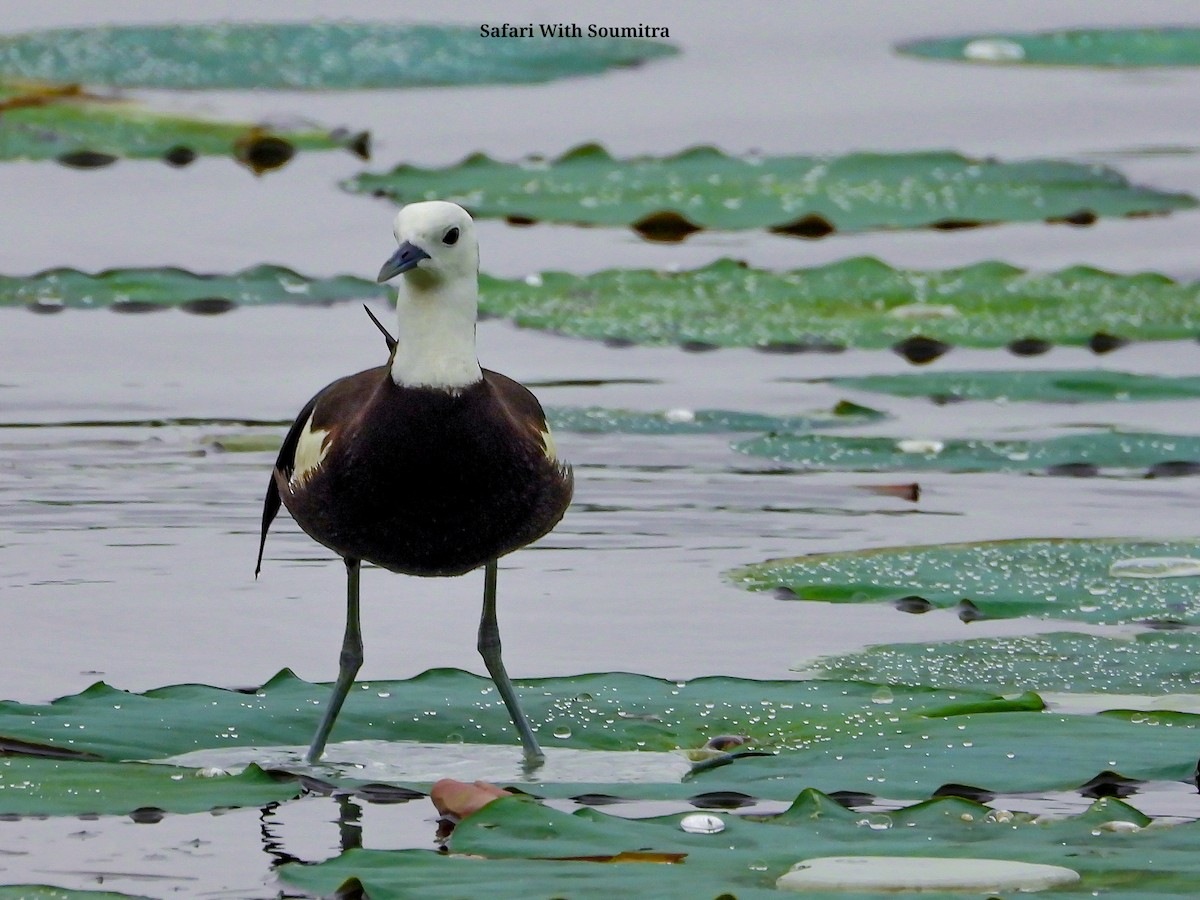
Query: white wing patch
(311, 450)
(549, 445)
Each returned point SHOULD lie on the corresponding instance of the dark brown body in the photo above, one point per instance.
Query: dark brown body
(423, 481)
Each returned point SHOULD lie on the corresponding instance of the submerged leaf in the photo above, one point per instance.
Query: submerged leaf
(1108, 47)
(667, 198)
(1055, 578)
(39, 121)
(1047, 386)
(1072, 454)
(308, 56)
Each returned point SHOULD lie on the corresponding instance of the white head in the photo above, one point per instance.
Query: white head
(438, 296)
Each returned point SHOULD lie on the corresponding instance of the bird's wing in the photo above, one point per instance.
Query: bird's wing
(283, 466)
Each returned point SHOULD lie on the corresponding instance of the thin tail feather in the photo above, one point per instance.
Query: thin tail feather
(271, 505)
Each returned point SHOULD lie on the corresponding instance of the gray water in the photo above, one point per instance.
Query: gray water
(127, 551)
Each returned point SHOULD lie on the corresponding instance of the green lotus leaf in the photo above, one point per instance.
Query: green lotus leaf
(667, 198)
(142, 289)
(858, 302)
(1094, 450)
(57, 787)
(600, 712)
(40, 121)
(308, 56)
(1052, 578)
(1107, 47)
(1154, 662)
(1047, 386)
(491, 852)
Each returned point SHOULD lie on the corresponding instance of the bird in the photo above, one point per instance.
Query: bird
(428, 465)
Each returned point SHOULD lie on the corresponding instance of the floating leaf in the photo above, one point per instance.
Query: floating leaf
(133, 290)
(308, 56)
(600, 712)
(86, 131)
(1107, 47)
(858, 302)
(1060, 579)
(1072, 454)
(42, 787)
(1047, 386)
(667, 198)
(490, 852)
(1154, 662)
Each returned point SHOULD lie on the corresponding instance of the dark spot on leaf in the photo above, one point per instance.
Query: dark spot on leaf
(1074, 470)
(360, 144)
(946, 399)
(726, 741)
(851, 799)
(387, 793)
(148, 815)
(910, 492)
(913, 604)
(969, 612)
(810, 226)
(722, 800)
(380, 192)
(954, 224)
(136, 306)
(697, 346)
(619, 342)
(1163, 624)
(208, 306)
(919, 349)
(665, 227)
(850, 408)
(45, 307)
(520, 221)
(1173, 468)
(1079, 217)
(597, 799)
(179, 156)
(965, 792)
(1102, 342)
(261, 152)
(782, 592)
(781, 347)
(87, 159)
(1029, 346)
(1109, 784)
(351, 889)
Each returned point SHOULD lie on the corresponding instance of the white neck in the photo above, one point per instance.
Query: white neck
(435, 346)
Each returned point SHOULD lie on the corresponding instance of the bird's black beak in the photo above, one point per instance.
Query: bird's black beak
(406, 257)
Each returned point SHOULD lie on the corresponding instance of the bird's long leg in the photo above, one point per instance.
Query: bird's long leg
(489, 649)
(349, 663)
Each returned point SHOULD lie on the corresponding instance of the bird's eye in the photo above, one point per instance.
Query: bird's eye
(451, 237)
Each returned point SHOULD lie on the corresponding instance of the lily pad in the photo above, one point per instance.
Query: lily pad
(859, 302)
(137, 290)
(46, 121)
(1072, 454)
(490, 852)
(309, 56)
(1046, 386)
(599, 712)
(1053, 578)
(1154, 662)
(667, 198)
(1106, 47)
(52, 787)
